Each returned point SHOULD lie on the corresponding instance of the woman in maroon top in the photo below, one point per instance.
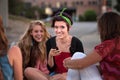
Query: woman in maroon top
(107, 53)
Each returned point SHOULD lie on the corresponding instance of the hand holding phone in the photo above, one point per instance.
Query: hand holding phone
(55, 51)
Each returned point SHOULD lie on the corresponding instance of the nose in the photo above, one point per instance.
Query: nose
(58, 30)
(39, 32)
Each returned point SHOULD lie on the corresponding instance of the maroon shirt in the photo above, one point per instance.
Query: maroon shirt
(110, 64)
(59, 62)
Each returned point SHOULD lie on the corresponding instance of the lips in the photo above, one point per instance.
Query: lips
(59, 34)
(38, 37)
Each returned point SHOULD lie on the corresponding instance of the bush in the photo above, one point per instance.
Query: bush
(15, 6)
(81, 18)
(18, 8)
(30, 12)
(90, 15)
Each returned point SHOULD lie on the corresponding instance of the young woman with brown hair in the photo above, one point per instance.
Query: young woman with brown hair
(10, 58)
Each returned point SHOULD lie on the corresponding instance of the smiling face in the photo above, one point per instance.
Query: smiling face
(61, 29)
(37, 33)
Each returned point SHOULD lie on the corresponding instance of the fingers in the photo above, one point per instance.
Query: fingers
(66, 62)
(54, 52)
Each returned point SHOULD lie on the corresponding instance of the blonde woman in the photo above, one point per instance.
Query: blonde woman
(33, 48)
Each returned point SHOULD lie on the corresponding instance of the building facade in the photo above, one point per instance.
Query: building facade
(80, 6)
(75, 7)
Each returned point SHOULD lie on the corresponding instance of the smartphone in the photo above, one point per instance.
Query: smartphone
(55, 48)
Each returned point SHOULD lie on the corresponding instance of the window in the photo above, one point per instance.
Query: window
(42, 4)
(92, 3)
(81, 3)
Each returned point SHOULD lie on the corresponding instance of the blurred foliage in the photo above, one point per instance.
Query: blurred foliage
(81, 18)
(17, 7)
(90, 15)
(117, 6)
(30, 13)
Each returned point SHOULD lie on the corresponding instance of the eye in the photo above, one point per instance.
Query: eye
(41, 31)
(62, 26)
(55, 26)
(36, 31)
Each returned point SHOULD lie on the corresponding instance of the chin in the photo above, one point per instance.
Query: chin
(60, 37)
(38, 40)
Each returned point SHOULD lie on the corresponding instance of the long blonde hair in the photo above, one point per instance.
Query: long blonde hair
(26, 43)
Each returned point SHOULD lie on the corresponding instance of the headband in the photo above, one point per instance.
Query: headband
(64, 17)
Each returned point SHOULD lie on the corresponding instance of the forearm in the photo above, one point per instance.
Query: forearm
(50, 61)
(17, 77)
(88, 60)
(74, 64)
(18, 73)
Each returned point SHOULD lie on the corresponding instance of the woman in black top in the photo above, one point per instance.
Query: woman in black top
(62, 45)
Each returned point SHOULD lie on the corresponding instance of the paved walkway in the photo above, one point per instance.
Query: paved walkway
(89, 38)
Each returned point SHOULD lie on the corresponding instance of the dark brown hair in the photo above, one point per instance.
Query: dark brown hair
(57, 17)
(109, 25)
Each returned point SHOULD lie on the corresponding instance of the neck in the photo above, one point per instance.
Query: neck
(64, 40)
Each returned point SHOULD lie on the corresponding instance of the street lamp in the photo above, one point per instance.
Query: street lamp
(48, 11)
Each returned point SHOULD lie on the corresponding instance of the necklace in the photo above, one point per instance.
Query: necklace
(64, 44)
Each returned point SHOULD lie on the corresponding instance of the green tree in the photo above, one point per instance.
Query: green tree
(90, 15)
(19, 8)
(15, 6)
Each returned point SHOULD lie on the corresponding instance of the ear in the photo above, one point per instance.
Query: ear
(69, 28)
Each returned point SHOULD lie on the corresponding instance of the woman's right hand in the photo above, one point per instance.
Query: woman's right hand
(54, 52)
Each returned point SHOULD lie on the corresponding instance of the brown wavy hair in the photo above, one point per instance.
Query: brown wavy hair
(31, 51)
(109, 25)
(3, 38)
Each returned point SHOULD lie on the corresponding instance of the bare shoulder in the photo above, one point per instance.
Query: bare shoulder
(14, 50)
(14, 55)
(14, 47)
